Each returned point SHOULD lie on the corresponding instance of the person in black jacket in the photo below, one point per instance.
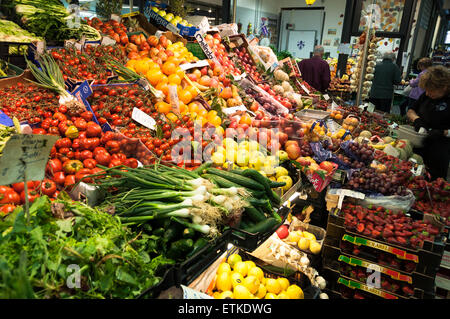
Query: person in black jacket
(431, 114)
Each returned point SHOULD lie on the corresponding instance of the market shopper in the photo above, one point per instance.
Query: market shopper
(431, 114)
(386, 75)
(316, 71)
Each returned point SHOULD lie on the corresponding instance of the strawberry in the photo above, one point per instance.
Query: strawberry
(387, 233)
(360, 227)
(401, 240)
(375, 233)
(407, 290)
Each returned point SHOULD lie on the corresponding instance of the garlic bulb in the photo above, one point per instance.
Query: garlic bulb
(323, 296)
(304, 261)
(320, 281)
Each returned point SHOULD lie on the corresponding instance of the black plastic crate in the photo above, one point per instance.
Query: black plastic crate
(248, 241)
(333, 255)
(427, 259)
(190, 269)
(14, 53)
(339, 283)
(168, 280)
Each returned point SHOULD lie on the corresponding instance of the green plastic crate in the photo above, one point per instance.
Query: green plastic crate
(196, 50)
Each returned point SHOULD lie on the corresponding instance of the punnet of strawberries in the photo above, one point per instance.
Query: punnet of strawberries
(389, 226)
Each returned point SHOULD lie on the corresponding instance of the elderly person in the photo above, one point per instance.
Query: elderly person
(316, 71)
(387, 74)
(431, 114)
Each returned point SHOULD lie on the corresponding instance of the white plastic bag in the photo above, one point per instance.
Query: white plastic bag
(395, 203)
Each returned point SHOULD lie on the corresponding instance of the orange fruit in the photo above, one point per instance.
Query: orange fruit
(192, 90)
(212, 114)
(193, 108)
(174, 79)
(154, 76)
(169, 68)
(163, 87)
(183, 108)
(185, 96)
(142, 66)
(172, 117)
(179, 71)
(202, 112)
(216, 121)
(163, 107)
(164, 79)
(245, 119)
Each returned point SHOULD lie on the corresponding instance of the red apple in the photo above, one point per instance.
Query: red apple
(293, 151)
(282, 137)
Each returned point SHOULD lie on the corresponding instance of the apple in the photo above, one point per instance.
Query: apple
(259, 115)
(282, 155)
(327, 166)
(281, 137)
(303, 161)
(293, 151)
(233, 125)
(289, 131)
(290, 142)
(265, 121)
(300, 132)
(204, 70)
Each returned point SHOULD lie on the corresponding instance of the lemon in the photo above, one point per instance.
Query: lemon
(226, 294)
(264, 281)
(309, 235)
(223, 282)
(273, 286)
(268, 169)
(270, 295)
(283, 295)
(236, 279)
(244, 145)
(303, 243)
(253, 146)
(257, 272)
(242, 157)
(221, 150)
(155, 9)
(241, 267)
(169, 17)
(261, 293)
(216, 295)
(251, 283)
(224, 267)
(241, 292)
(295, 292)
(281, 171)
(229, 143)
(218, 158)
(233, 259)
(315, 247)
(231, 155)
(284, 283)
(162, 13)
(250, 264)
(294, 236)
(287, 180)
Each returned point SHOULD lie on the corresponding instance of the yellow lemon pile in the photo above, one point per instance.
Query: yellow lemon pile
(305, 241)
(238, 279)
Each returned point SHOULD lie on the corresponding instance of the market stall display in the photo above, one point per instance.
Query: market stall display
(226, 173)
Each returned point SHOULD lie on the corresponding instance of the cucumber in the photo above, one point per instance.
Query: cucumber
(273, 184)
(172, 233)
(263, 226)
(257, 194)
(244, 224)
(198, 245)
(236, 178)
(261, 203)
(221, 182)
(180, 248)
(201, 168)
(254, 214)
(188, 233)
(256, 176)
(274, 198)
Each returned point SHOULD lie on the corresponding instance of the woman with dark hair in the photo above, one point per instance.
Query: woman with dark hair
(431, 114)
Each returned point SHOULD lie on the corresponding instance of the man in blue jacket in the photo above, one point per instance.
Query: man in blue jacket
(387, 74)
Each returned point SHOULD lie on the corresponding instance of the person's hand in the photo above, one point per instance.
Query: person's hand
(418, 123)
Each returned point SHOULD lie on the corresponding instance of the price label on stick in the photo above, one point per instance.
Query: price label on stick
(173, 96)
(143, 118)
(25, 155)
(305, 88)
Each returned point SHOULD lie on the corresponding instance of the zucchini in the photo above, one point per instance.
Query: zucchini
(221, 182)
(201, 168)
(254, 214)
(188, 233)
(256, 176)
(263, 226)
(180, 248)
(238, 179)
(257, 194)
(244, 224)
(274, 184)
(198, 245)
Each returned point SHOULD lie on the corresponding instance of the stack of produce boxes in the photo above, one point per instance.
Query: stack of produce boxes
(372, 252)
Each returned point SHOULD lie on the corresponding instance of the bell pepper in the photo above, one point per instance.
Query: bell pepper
(72, 132)
(72, 166)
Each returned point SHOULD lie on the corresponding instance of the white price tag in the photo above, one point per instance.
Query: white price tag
(305, 88)
(40, 47)
(189, 293)
(108, 41)
(240, 77)
(334, 106)
(205, 47)
(143, 118)
(326, 97)
(234, 109)
(371, 108)
(115, 17)
(198, 64)
(349, 193)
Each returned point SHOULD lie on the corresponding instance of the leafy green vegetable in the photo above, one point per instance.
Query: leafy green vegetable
(113, 261)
